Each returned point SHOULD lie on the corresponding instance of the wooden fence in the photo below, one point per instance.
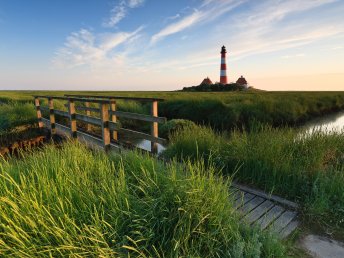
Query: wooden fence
(107, 120)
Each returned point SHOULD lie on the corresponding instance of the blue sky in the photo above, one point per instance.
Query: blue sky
(166, 45)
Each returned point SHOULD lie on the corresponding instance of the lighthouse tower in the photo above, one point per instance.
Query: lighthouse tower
(223, 73)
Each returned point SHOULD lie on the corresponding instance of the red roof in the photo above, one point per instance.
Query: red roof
(207, 81)
(241, 81)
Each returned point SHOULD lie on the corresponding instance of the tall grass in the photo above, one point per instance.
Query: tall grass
(227, 111)
(306, 168)
(70, 201)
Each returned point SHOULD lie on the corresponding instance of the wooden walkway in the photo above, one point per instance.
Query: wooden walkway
(268, 212)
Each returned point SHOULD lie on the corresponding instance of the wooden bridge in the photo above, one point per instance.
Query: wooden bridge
(256, 207)
(105, 116)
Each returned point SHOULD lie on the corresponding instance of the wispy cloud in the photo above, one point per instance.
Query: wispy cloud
(259, 30)
(120, 11)
(293, 56)
(205, 13)
(87, 48)
(173, 28)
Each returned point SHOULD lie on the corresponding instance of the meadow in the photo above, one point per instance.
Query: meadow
(71, 201)
(306, 168)
(67, 200)
(225, 110)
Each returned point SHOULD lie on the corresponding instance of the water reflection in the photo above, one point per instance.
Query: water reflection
(140, 143)
(327, 123)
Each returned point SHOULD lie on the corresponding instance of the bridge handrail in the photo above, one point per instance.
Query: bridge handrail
(108, 117)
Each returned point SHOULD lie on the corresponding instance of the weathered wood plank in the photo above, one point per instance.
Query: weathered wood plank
(88, 113)
(113, 108)
(154, 127)
(267, 196)
(289, 229)
(138, 116)
(269, 217)
(89, 140)
(72, 119)
(76, 99)
(283, 220)
(52, 116)
(116, 97)
(61, 113)
(104, 114)
(129, 115)
(39, 113)
(259, 211)
(241, 201)
(250, 205)
(89, 119)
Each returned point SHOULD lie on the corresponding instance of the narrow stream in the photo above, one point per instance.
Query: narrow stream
(328, 123)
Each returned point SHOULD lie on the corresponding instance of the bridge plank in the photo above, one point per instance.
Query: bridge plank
(289, 229)
(269, 217)
(241, 201)
(250, 205)
(259, 211)
(282, 221)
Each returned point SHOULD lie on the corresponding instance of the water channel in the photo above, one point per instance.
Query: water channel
(327, 123)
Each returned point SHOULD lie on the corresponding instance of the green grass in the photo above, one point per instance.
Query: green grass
(69, 201)
(13, 114)
(224, 110)
(307, 169)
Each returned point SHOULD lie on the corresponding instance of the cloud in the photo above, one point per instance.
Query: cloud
(204, 14)
(86, 48)
(120, 11)
(270, 33)
(293, 56)
(173, 28)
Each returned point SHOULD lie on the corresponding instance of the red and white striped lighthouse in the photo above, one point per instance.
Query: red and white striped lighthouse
(223, 73)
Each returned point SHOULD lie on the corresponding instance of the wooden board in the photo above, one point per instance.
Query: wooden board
(258, 212)
(269, 212)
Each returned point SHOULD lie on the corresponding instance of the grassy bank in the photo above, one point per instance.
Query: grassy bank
(308, 169)
(71, 202)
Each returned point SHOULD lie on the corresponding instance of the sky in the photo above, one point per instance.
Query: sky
(166, 45)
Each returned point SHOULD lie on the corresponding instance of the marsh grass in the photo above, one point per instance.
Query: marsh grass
(308, 169)
(69, 201)
(225, 110)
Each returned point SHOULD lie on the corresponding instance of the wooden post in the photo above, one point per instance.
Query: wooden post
(104, 116)
(39, 113)
(88, 113)
(114, 118)
(154, 127)
(52, 116)
(72, 118)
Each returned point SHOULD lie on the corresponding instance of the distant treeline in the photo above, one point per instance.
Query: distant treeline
(215, 87)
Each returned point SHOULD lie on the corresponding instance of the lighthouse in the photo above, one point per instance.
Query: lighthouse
(223, 72)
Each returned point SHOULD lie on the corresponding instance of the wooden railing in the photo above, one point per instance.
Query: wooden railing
(108, 120)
